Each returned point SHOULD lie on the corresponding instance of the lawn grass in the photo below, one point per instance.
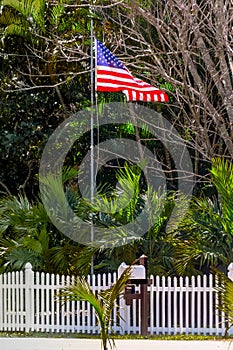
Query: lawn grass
(126, 336)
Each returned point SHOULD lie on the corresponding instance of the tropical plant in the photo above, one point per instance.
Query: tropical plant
(21, 17)
(28, 235)
(111, 210)
(224, 288)
(222, 178)
(44, 59)
(103, 302)
(205, 236)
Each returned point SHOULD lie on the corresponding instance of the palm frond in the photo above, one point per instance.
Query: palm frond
(225, 296)
(110, 295)
(56, 14)
(13, 213)
(222, 178)
(16, 29)
(8, 17)
(14, 255)
(83, 260)
(28, 8)
(103, 303)
(81, 291)
(54, 199)
(68, 173)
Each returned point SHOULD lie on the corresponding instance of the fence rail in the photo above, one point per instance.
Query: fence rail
(28, 302)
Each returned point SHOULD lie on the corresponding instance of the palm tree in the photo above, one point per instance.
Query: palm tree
(27, 235)
(222, 178)
(127, 246)
(103, 302)
(22, 17)
(205, 237)
(113, 209)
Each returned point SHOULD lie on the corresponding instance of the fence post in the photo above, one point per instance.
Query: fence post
(29, 277)
(230, 271)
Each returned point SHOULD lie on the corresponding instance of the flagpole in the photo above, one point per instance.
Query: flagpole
(92, 138)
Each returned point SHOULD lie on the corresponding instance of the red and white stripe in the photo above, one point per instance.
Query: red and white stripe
(111, 79)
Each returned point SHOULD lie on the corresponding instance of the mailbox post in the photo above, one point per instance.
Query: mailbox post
(138, 277)
(144, 299)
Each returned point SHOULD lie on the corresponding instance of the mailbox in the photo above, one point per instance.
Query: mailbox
(138, 277)
(138, 272)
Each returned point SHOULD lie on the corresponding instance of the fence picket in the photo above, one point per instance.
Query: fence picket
(37, 295)
(28, 302)
(211, 315)
(8, 294)
(62, 309)
(115, 322)
(88, 312)
(48, 299)
(1, 303)
(168, 311)
(192, 303)
(204, 302)
(152, 301)
(199, 304)
(175, 309)
(4, 304)
(52, 303)
(17, 309)
(187, 305)
(181, 305)
(157, 325)
(22, 305)
(58, 305)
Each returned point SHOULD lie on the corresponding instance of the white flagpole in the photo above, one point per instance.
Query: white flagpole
(92, 137)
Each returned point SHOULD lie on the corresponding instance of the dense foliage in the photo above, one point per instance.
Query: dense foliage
(45, 78)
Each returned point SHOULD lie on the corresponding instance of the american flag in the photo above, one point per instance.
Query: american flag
(113, 76)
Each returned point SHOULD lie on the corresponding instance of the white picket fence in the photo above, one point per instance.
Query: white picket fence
(28, 302)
